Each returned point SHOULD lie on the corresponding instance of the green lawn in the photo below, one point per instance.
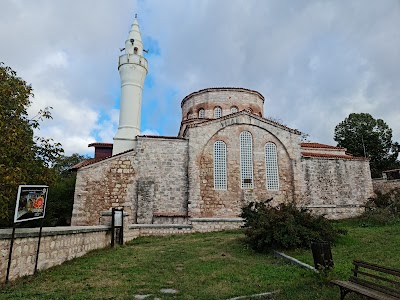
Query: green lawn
(204, 266)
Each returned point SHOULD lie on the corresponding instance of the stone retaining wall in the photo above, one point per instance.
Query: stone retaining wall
(215, 224)
(59, 244)
(384, 186)
(336, 187)
(337, 212)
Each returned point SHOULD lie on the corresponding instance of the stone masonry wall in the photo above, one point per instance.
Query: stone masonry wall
(385, 186)
(228, 203)
(224, 99)
(103, 185)
(58, 244)
(149, 180)
(337, 187)
(163, 168)
(207, 202)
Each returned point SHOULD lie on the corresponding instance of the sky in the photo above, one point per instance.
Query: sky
(315, 62)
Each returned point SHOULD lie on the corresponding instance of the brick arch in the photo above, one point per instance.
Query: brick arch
(214, 203)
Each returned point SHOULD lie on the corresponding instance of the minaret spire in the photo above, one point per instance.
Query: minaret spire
(132, 67)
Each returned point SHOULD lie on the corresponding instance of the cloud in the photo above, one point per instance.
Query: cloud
(314, 61)
(149, 132)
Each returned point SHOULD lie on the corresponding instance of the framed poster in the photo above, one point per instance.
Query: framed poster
(31, 202)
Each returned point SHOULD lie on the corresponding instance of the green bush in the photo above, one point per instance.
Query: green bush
(284, 226)
(382, 209)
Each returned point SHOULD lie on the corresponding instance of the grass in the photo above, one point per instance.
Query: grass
(204, 266)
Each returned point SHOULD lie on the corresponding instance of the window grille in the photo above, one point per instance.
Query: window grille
(246, 160)
(219, 165)
(201, 113)
(217, 112)
(234, 109)
(271, 167)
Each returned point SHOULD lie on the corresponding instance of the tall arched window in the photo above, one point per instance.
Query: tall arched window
(246, 160)
(234, 109)
(219, 165)
(217, 112)
(201, 113)
(271, 167)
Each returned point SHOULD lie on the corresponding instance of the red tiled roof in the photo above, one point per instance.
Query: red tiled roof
(104, 145)
(318, 145)
(323, 155)
(221, 89)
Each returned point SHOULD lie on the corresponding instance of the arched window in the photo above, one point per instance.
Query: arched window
(219, 165)
(217, 112)
(135, 50)
(246, 160)
(201, 113)
(271, 167)
(234, 109)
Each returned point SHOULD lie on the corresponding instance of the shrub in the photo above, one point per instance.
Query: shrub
(383, 209)
(284, 226)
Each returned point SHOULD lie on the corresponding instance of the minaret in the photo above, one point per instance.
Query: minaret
(132, 67)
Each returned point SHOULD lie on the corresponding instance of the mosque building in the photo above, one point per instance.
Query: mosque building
(226, 154)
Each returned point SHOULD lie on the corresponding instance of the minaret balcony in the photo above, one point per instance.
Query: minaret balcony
(132, 59)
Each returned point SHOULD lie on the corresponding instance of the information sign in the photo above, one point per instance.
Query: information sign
(31, 202)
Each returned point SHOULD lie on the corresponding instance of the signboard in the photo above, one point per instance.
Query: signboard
(31, 202)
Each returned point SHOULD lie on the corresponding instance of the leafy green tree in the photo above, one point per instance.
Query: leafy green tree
(61, 194)
(24, 158)
(363, 135)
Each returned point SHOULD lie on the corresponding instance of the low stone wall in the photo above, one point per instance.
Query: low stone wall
(160, 229)
(337, 212)
(384, 186)
(215, 224)
(58, 244)
(196, 225)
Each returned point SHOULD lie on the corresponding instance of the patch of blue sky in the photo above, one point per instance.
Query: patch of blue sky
(151, 45)
(160, 114)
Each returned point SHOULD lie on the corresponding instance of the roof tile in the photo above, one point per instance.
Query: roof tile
(324, 155)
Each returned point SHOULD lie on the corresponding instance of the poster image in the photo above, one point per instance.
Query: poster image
(31, 202)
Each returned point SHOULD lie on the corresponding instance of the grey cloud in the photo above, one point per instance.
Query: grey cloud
(314, 61)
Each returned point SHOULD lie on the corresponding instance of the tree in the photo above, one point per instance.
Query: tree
(24, 158)
(362, 135)
(61, 194)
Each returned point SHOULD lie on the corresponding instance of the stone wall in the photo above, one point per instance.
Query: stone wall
(337, 187)
(148, 180)
(384, 186)
(163, 177)
(58, 244)
(205, 202)
(215, 224)
(224, 98)
(103, 185)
